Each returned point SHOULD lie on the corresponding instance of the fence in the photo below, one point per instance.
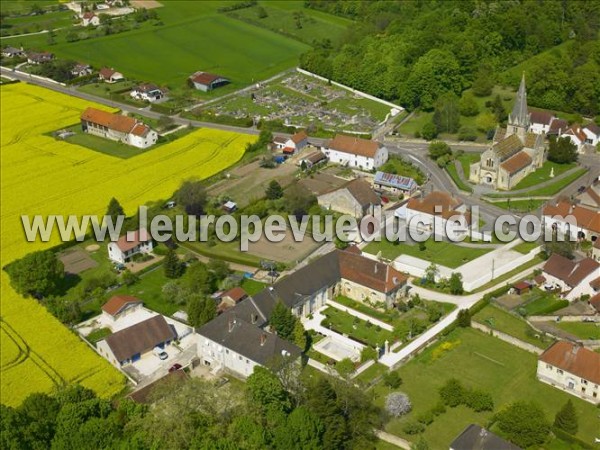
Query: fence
(354, 91)
(30, 75)
(507, 338)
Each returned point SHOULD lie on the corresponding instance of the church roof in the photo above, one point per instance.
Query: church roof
(520, 114)
(516, 162)
(508, 146)
(531, 140)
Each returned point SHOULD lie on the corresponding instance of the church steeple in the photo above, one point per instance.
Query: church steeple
(520, 115)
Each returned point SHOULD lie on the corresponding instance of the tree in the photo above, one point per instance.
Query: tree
(274, 190)
(566, 418)
(37, 274)
(298, 200)
(524, 424)
(266, 391)
(468, 105)
(392, 379)
(282, 321)
(198, 278)
(437, 149)
(452, 393)
(429, 131)
(302, 429)
(483, 82)
(200, 310)
(368, 353)
(114, 210)
(192, 196)
(455, 283)
(261, 13)
(464, 318)
(498, 109)
(165, 122)
(486, 122)
(421, 444)
(562, 151)
(300, 335)
(345, 367)
(397, 404)
(564, 248)
(431, 273)
(129, 278)
(172, 265)
(446, 116)
(219, 268)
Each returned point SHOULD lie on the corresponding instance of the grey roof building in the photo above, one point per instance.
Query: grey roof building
(476, 438)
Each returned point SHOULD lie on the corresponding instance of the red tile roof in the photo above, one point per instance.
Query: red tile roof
(571, 272)
(132, 239)
(88, 15)
(118, 302)
(595, 302)
(586, 218)
(595, 284)
(558, 125)
(299, 137)
(237, 294)
(444, 203)
(205, 78)
(140, 130)
(112, 121)
(106, 73)
(593, 128)
(543, 117)
(354, 146)
(516, 162)
(575, 130)
(574, 359)
(370, 273)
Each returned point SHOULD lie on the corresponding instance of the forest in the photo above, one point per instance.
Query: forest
(413, 52)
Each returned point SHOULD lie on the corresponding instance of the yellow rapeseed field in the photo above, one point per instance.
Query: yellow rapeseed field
(41, 175)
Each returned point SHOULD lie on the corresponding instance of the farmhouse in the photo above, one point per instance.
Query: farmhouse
(592, 134)
(571, 278)
(89, 18)
(515, 152)
(12, 52)
(39, 58)
(355, 198)
(133, 343)
(433, 211)
(81, 70)
(557, 127)
(204, 81)
(119, 306)
(291, 145)
(147, 92)
(230, 298)
(132, 243)
(577, 222)
(572, 368)
(394, 183)
(110, 75)
(577, 137)
(118, 127)
(355, 152)
(540, 121)
(476, 438)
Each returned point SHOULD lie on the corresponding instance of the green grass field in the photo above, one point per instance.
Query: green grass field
(539, 302)
(546, 191)
(451, 169)
(345, 323)
(253, 287)
(525, 247)
(482, 362)
(501, 320)
(583, 330)
(519, 205)
(543, 174)
(443, 253)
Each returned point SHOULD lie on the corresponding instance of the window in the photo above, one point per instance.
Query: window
(584, 381)
(560, 372)
(583, 390)
(549, 367)
(240, 357)
(227, 351)
(595, 394)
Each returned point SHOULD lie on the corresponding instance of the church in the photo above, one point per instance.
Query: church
(516, 151)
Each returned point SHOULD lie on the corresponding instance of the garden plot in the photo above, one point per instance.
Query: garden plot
(299, 100)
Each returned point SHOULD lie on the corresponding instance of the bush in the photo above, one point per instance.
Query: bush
(392, 380)
(452, 393)
(413, 427)
(467, 134)
(479, 401)
(438, 409)
(426, 418)
(429, 131)
(397, 404)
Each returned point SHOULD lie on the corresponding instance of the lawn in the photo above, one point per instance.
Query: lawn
(466, 159)
(539, 302)
(281, 18)
(166, 55)
(32, 24)
(443, 253)
(519, 205)
(546, 191)
(355, 328)
(399, 166)
(543, 174)
(526, 247)
(41, 175)
(253, 287)
(498, 319)
(481, 362)
(370, 374)
(583, 330)
(451, 169)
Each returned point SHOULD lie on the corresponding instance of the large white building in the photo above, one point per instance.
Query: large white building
(574, 221)
(118, 127)
(572, 368)
(355, 152)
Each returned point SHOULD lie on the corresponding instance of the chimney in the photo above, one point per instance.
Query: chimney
(263, 339)
(376, 267)
(231, 324)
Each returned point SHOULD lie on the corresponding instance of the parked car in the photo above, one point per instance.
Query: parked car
(160, 353)
(175, 367)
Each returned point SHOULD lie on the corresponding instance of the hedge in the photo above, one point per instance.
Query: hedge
(563, 435)
(163, 109)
